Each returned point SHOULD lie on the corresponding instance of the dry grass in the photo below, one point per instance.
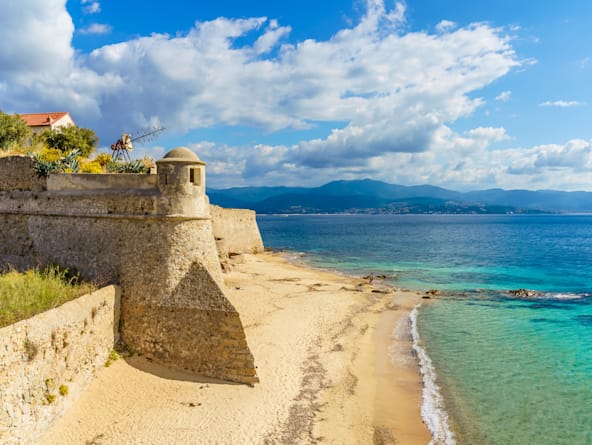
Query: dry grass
(23, 295)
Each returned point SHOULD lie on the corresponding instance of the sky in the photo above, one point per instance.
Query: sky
(461, 94)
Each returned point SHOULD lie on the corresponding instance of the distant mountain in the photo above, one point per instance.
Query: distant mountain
(368, 196)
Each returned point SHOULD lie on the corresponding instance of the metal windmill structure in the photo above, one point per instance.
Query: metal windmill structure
(124, 145)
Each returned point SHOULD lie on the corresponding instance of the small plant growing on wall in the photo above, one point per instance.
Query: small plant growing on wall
(31, 349)
(113, 356)
(64, 390)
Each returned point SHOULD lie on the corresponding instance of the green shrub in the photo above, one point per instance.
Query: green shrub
(70, 138)
(13, 131)
(90, 167)
(103, 159)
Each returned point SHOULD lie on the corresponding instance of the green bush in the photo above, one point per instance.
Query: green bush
(90, 167)
(13, 131)
(70, 138)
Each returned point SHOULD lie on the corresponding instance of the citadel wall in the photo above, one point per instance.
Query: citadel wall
(235, 231)
(48, 360)
(151, 234)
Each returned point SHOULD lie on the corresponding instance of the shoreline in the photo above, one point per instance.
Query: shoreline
(334, 358)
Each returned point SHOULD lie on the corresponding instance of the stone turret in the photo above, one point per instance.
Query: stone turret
(182, 179)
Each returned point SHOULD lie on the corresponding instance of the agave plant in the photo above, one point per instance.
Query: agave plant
(68, 163)
(136, 166)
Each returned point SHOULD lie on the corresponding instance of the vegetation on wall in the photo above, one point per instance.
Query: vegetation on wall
(62, 150)
(23, 295)
(52, 160)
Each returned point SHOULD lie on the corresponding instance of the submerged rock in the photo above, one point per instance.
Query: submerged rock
(525, 293)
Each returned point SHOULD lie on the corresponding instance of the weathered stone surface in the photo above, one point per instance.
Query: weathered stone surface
(61, 347)
(154, 237)
(16, 173)
(235, 231)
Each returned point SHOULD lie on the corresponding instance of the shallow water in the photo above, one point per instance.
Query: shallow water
(510, 371)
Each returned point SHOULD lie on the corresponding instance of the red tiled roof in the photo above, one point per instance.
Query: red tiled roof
(42, 119)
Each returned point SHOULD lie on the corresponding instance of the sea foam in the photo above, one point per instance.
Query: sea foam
(432, 409)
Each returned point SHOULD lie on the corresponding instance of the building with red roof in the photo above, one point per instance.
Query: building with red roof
(45, 121)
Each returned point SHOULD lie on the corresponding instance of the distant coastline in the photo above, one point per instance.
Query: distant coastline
(376, 197)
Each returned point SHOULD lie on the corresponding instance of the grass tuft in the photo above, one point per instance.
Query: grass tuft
(64, 390)
(113, 356)
(24, 294)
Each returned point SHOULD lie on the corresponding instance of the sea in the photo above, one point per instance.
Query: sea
(497, 369)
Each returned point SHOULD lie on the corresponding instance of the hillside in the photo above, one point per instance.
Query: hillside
(368, 196)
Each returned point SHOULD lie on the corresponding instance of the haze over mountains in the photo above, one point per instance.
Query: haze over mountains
(369, 196)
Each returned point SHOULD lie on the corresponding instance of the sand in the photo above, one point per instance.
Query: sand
(334, 358)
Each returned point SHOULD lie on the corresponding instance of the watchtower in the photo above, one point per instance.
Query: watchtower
(182, 177)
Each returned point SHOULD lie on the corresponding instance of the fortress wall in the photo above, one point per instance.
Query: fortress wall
(187, 301)
(17, 173)
(173, 307)
(63, 346)
(235, 231)
(160, 248)
(87, 181)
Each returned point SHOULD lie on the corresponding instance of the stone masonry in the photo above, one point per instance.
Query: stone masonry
(152, 235)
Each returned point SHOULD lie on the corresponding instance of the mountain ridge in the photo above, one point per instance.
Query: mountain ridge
(371, 196)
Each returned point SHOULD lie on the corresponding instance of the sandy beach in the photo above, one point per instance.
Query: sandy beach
(333, 355)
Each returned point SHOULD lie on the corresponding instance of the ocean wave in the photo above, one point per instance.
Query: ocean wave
(565, 296)
(528, 294)
(432, 409)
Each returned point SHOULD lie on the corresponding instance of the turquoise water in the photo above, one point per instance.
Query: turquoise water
(510, 371)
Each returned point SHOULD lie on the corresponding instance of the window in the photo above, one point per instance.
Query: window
(195, 176)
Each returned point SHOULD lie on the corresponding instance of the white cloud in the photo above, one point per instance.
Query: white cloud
(465, 161)
(561, 103)
(92, 7)
(396, 94)
(504, 96)
(96, 28)
(26, 27)
(445, 26)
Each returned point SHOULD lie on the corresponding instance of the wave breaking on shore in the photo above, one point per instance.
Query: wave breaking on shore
(432, 409)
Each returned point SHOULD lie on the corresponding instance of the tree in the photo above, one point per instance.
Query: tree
(69, 138)
(13, 130)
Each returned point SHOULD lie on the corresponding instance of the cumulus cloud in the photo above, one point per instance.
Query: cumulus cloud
(26, 27)
(561, 103)
(466, 161)
(394, 93)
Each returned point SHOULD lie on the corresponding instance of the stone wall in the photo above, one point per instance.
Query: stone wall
(16, 173)
(156, 240)
(235, 231)
(62, 347)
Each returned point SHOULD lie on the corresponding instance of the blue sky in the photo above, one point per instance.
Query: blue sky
(460, 94)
